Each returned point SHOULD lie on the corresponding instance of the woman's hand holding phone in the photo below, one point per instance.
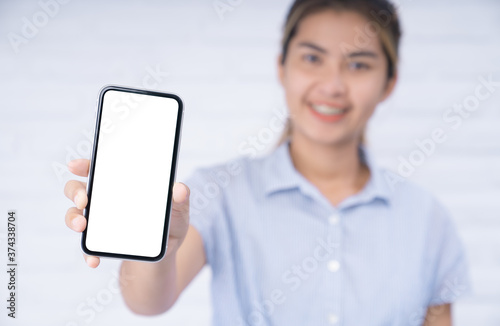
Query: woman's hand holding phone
(76, 191)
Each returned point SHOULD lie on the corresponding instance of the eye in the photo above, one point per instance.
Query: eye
(358, 66)
(311, 58)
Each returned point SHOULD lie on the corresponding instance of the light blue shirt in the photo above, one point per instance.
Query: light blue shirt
(282, 254)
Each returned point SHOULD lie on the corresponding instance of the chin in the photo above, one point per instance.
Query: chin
(327, 138)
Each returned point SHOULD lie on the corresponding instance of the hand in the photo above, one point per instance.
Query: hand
(76, 191)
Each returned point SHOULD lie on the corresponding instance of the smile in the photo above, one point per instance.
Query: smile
(327, 113)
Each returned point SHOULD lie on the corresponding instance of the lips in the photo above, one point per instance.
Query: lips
(328, 112)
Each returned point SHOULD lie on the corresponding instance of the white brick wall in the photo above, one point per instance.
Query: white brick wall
(225, 72)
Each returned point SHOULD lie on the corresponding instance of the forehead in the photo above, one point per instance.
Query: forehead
(337, 31)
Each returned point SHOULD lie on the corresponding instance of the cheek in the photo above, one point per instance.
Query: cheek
(296, 86)
(366, 96)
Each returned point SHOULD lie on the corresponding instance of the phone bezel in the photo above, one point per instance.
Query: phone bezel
(178, 132)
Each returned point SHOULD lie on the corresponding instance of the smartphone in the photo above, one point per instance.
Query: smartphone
(131, 174)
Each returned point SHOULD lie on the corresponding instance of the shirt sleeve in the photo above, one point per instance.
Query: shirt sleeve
(450, 267)
(205, 208)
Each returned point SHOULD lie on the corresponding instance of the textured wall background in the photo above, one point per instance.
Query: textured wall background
(223, 66)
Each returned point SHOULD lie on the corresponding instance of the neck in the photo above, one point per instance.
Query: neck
(336, 170)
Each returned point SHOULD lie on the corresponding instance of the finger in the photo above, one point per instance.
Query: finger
(180, 202)
(180, 192)
(92, 261)
(75, 220)
(180, 209)
(76, 191)
(79, 167)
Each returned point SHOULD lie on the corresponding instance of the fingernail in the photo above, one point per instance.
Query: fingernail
(76, 200)
(75, 222)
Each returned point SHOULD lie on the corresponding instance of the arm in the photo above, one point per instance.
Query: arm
(151, 289)
(148, 288)
(438, 316)
(449, 267)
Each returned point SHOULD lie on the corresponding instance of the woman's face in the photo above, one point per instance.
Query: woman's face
(334, 75)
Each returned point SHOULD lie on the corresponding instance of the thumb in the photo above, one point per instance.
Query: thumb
(180, 198)
(181, 192)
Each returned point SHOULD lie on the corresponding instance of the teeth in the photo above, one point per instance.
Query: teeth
(325, 109)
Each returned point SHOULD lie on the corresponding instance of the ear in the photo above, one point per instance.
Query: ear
(389, 87)
(281, 69)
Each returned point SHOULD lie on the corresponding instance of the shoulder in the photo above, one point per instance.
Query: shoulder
(425, 220)
(413, 199)
(225, 176)
(404, 195)
(430, 235)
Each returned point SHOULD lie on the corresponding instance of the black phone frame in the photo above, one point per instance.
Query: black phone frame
(178, 133)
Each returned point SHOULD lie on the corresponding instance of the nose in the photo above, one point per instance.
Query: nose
(331, 82)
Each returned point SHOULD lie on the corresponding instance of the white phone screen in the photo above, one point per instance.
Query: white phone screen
(133, 165)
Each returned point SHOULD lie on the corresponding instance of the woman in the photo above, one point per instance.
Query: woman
(313, 233)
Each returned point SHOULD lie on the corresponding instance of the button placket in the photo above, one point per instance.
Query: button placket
(333, 269)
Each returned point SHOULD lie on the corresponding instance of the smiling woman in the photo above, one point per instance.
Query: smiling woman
(316, 232)
(379, 27)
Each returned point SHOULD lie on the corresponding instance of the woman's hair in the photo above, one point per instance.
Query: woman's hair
(382, 20)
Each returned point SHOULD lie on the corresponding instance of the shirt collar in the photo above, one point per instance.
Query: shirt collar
(280, 175)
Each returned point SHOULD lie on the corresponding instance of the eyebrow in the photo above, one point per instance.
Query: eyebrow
(349, 55)
(313, 46)
(362, 54)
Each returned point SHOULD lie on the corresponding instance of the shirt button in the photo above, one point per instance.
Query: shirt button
(333, 319)
(333, 265)
(334, 219)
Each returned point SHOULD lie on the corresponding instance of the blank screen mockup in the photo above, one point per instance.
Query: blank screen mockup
(133, 164)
